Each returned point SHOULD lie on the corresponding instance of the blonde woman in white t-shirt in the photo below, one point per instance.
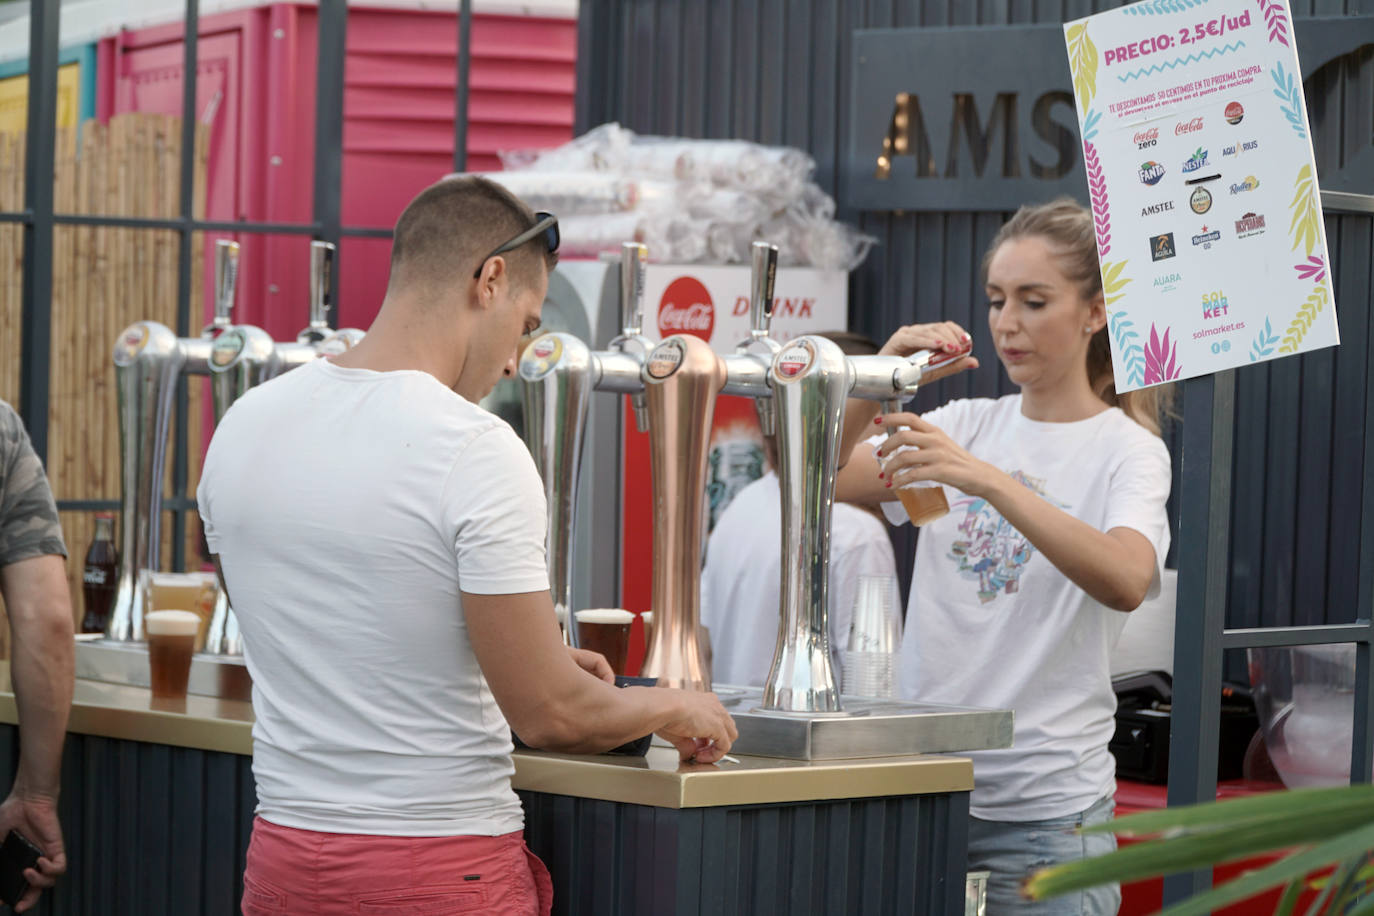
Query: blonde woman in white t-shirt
(1056, 528)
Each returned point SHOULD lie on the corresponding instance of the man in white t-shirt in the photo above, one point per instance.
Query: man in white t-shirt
(741, 583)
(382, 540)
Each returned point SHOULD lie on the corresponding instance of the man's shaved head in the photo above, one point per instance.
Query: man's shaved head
(446, 231)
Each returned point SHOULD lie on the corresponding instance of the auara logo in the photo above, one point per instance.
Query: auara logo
(1144, 139)
(1167, 282)
(1187, 127)
(1235, 149)
(1249, 184)
(1161, 207)
(1151, 172)
(1195, 161)
(686, 308)
(1249, 224)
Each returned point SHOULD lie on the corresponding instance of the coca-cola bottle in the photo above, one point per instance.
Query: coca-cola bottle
(100, 576)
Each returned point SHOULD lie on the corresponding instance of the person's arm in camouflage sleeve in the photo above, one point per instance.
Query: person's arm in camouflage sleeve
(33, 581)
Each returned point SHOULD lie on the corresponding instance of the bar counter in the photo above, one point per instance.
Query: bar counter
(158, 799)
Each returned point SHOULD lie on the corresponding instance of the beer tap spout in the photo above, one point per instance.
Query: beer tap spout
(747, 368)
(226, 284)
(321, 293)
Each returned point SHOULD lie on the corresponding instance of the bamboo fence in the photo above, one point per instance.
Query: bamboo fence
(103, 280)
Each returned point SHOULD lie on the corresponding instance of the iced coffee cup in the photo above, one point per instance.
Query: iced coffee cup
(606, 630)
(171, 642)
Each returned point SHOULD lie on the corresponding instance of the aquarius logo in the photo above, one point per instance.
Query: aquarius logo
(1249, 184)
(1235, 149)
(1195, 161)
(1151, 172)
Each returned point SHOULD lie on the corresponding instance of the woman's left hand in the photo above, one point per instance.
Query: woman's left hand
(936, 457)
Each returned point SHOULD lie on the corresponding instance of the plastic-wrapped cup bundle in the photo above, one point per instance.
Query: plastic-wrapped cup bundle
(870, 656)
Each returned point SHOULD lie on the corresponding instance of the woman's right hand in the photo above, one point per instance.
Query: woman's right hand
(698, 717)
(945, 336)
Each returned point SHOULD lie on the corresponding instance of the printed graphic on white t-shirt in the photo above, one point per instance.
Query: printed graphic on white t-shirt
(989, 550)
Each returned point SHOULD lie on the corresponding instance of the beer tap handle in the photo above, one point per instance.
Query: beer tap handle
(226, 283)
(632, 258)
(763, 275)
(321, 292)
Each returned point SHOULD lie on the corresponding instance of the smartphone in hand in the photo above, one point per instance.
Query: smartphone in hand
(16, 854)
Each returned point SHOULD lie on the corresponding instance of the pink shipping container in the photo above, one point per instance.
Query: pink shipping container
(256, 88)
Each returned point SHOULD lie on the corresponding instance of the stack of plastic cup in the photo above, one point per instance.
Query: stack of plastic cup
(870, 656)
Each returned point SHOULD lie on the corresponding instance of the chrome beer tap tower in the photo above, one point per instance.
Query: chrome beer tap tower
(558, 374)
(149, 359)
(244, 357)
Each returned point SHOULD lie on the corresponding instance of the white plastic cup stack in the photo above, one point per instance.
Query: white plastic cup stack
(875, 633)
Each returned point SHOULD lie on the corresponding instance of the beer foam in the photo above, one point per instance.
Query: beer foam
(171, 623)
(604, 615)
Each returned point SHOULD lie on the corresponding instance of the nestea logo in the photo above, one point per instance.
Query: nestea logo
(1195, 161)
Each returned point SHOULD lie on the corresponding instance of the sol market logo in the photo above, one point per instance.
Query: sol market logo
(1162, 246)
(686, 308)
(1206, 237)
(1195, 161)
(1249, 184)
(1200, 200)
(1150, 172)
(1250, 224)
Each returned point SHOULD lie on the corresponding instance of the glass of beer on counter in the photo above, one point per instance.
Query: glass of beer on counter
(606, 630)
(171, 642)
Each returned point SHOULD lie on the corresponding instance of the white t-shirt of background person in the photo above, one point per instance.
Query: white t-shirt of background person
(349, 508)
(990, 622)
(741, 588)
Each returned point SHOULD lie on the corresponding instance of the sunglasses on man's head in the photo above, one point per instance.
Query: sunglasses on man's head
(545, 224)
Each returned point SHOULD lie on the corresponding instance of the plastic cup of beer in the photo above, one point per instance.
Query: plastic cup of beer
(606, 630)
(171, 642)
(923, 500)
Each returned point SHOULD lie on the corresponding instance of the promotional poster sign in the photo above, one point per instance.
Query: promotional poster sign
(1203, 186)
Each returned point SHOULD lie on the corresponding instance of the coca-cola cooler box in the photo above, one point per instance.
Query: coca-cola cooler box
(713, 304)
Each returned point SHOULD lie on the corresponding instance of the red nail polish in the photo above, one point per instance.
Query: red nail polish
(878, 420)
(889, 485)
(880, 475)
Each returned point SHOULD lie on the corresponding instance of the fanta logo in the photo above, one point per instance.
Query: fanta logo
(1151, 172)
(1144, 139)
(1249, 184)
(1187, 127)
(1195, 161)
(686, 308)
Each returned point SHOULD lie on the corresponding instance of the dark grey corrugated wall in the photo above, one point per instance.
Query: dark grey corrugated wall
(777, 71)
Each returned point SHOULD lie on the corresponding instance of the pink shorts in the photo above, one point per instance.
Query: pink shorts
(306, 873)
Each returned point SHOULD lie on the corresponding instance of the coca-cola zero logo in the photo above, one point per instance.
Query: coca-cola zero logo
(686, 308)
(1144, 139)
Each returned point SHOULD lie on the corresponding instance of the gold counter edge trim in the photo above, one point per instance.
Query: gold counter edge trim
(150, 726)
(596, 779)
(844, 780)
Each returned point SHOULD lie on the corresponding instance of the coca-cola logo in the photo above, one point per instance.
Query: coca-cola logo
(1144, 139)
(1234, 113)
(1187, 127)
(543, 347)
(686, 308)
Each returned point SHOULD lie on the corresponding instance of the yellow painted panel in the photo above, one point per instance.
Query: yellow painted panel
(14, 99)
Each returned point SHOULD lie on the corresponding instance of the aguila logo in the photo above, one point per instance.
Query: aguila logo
(1144, 139)
(1187, 127)
(686, 308)
(1151, 172)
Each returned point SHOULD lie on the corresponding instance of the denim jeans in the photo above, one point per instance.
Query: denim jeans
(1012, 850)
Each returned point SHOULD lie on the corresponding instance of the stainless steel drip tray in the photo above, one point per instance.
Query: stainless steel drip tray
(868, 727)
(113, 662)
